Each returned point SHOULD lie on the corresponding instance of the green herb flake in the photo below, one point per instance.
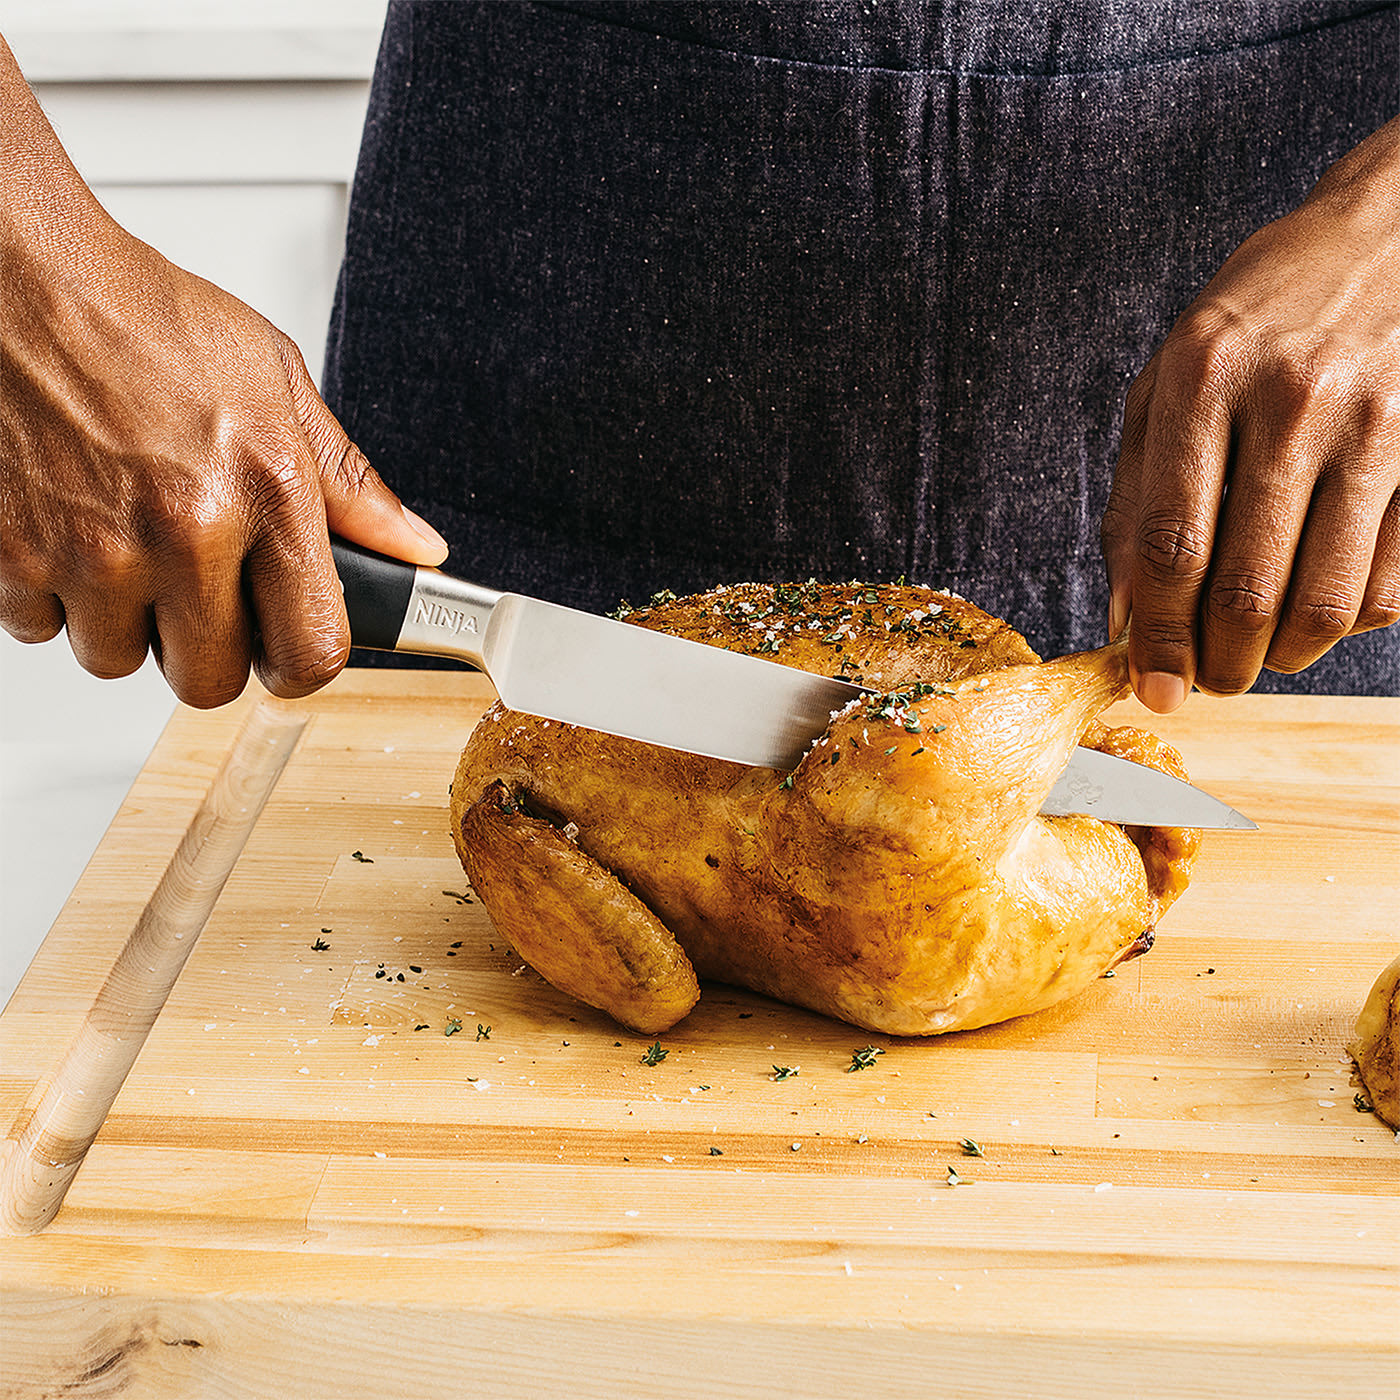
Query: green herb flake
(1362, 1104)
(781, 1072)
(655, 1054)
(863, 1059)
(716, 1152)
(484, 1032)
(955, 1180)
(320, 946)
(970, 1148)
(452, 1027)
(361, 857)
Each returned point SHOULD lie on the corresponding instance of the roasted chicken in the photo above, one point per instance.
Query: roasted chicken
(900, 877)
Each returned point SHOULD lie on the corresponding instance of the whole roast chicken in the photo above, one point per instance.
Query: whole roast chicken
(900, 877)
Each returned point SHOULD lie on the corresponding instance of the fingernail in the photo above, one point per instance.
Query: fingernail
(424, 530)
(1161, 691)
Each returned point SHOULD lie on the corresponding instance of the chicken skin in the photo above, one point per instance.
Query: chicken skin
(900, 877)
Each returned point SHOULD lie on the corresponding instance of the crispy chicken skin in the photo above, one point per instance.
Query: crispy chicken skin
(899, 878)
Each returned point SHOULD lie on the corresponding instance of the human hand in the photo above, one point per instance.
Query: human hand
(1254, 519)
(169, 474)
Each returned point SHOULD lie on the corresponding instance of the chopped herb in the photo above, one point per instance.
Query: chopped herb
(452, 1027)
(320, 946)
(327, 930)
(459, 896)
(716, 1152)
(863, 1059)
(655, 1054)
(890, 750)
(939, 728)
(422, 1027)
(1362, 1104)
(916, 752)
(361, 857)
(484, 1032)
(970, 1148)
(411, 968)
(787, 782)
(781, 1072)
(955, 1180)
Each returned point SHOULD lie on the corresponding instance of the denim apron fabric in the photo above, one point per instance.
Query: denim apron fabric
(642, 296)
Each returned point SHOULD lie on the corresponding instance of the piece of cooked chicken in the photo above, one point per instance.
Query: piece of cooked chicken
(900, 877)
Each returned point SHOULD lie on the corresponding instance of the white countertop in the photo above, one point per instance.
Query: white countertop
(62, 41)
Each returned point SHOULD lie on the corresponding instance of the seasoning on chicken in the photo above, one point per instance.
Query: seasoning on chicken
(900, 878)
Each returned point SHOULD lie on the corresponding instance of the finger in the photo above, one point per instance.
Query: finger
(29, 609)
(203, 637)
(109, 641)
(359, 506)
(1183, 475)
(1261, 522)
(1118, 528)
(30, 615)
(106, 606)
(303, 636)
(1331, 571)
(1380, 604)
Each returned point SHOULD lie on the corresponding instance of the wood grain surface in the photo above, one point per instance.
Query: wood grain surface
(308, 1188)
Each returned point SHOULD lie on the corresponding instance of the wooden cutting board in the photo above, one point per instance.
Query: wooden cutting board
(308, 1188)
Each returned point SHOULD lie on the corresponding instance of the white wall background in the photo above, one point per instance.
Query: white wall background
(224, 133)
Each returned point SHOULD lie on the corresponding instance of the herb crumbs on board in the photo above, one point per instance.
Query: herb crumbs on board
(452, 1027)
(781, 1072)
(955, 1180)
(320, 946)
(484, 1032)
(362, 857)
(863, 1059)
(655, 1054)
(971, 1149)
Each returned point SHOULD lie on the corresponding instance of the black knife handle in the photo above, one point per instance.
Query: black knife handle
(377, 594)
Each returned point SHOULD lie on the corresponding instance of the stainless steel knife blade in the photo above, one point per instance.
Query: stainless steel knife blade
(582, 669)
(1117, 790)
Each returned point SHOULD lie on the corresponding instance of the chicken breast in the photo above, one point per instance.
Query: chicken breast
(900, 878)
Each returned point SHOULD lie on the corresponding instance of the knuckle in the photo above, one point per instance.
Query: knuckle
(1243, 602)
(305, 669)
(1160, 643)
(1206, 351)
(1171, 548)
(351, 470)
(109, 565)
(277, 483)
(1381, 611)
(1322, 616)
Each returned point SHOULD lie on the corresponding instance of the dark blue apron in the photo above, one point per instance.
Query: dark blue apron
(642, 296)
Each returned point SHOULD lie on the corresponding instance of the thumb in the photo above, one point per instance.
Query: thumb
(359, 506)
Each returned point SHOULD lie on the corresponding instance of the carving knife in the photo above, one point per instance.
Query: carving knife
(579, 668)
